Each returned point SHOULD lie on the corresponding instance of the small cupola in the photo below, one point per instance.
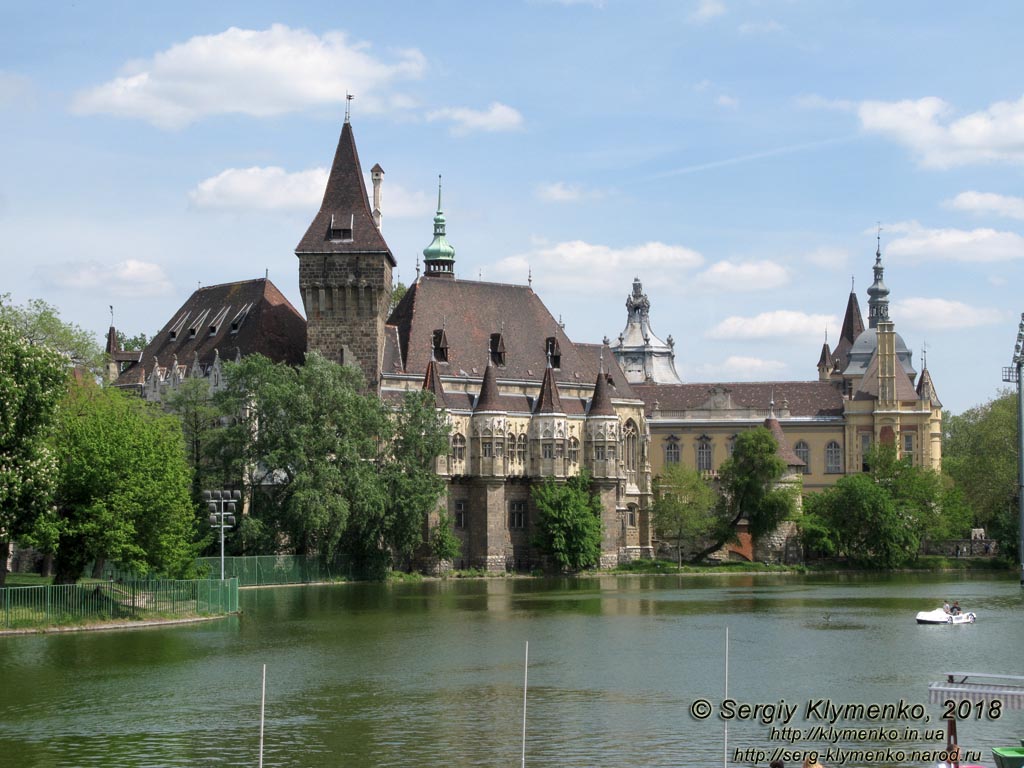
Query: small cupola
(439, 256)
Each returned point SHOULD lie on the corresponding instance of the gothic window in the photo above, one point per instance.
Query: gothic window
(547, 450)
(704, 454)
(458, 447)
(460, 514)
(521, 449)
(632, 515)
(672, 450)
(497, 348)
(487, 449)
(574, 450)
(499, 447)
(630, 446)
(552, 351)
(610, 453)
(865, 448)
(440, 345)
(599, 452)
(559, 449)
(803, 452)
(908, 444)
(510, 450)
(833, 458)
(517, 514)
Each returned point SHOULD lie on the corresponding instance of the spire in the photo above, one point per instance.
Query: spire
(601, 403)
(439, 256)
(548, 401)
(432, 382)
(926, 389)
(784, 451)
(345, 223)
(489, 398)
(878, 294)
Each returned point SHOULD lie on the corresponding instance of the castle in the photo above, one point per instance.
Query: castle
(526, 403)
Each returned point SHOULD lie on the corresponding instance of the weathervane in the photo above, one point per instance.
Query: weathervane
(348, 105)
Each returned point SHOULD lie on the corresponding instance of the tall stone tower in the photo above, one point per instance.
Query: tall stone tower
(345, 269)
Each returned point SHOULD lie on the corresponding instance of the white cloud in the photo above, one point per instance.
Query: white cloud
(579, 267)
(918, 243)
(747, 276)
(782, 323)
(988, 202)
(131, 277)
(740, 368)
(707, 10)
(928, 128)
(252, 72)
(727, 101)
(760, 28)
(497, 117)
(14, 89)
(939, 314)
(828, 257)
(273, 188)
(563, 192)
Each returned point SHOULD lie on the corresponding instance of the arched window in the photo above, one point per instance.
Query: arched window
(458, 447)
(833, 458)
(631, 517)
(521, 449)
(630, 444)
(803, 452)
(672, 451)
(510, 450)
(574, 450)
(704, 454)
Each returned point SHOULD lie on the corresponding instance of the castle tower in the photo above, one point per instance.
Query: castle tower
(644, 358)
(345, 270)
(878, 294)
(439, 256)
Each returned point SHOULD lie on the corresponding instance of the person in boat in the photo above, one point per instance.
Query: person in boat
(955, 610)
(945, 606)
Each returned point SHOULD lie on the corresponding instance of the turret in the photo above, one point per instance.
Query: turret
(602, 431)
(439, 256)
(489, 425)
(377, 177)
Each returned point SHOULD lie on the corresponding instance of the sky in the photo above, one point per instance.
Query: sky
(739, 156)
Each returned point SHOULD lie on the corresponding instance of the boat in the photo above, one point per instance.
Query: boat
(939, 616)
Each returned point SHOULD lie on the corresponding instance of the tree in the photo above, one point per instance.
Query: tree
(134, 343)
(748, 487)
(683, 505)
(32, 381)
(397, 293)
(444, 544)
(979, 452)
(39, 323)
(122, 486)
(192, 403)
(569, 522)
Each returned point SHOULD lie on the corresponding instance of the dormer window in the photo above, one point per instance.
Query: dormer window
(173, 335)
(213, 330)
(191, 333)
(497, 349)
(341, 230)
(553, 352)
(440, 343)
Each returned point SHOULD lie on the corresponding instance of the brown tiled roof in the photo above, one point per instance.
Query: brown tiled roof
(247, 317)
(432, 383)
(345, 204)
(601, 404)
(805, 399)
(926, 389)
(785, 452)
(490, 398)
(868, 387)
(853, 326)
(826, 357)
(548, 401)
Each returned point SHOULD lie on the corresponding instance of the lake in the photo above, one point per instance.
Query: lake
(431, 674)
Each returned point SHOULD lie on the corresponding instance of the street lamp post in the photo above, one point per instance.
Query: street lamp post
(1013, 375)
(222, 515)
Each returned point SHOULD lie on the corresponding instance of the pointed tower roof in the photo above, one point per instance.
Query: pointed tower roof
(826, 356)
(344, 223)
(548, 401)
(784, 450)
(926, 389)
(601, 403)
(853, 326)
(432, 383)
(878, 294)
(439, 256)
(489, 398)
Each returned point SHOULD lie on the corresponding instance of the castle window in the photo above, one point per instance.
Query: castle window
(521, 449)
(632, 515)
(908, 445)
(460, 514)
(704, 454)
(458, 447)
(517, 514)
(672, 450)
(497, 348)
(833, 458)
(173, 335)
(488, 449)
(630, 444)
(865, 449)
(547, 450)
(499, 447)
(599, 452)
(554, 354)
(339, 230)
(213, 330)
(803, 451)
(511, 447)
(191, 333)
(440, 346)
(574, 450)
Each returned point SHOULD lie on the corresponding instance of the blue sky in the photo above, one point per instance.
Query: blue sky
(736, 155)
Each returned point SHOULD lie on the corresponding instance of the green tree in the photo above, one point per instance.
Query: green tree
(444, 544)
(134, 343)
(192, 403)
(32, 381)
(979, 452)
(397, 294)
(569, 522)
(40, 324)
(683, 506)
(748, 488)
(122, 486)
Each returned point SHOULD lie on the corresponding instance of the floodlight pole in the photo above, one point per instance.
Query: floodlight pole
(1014, 375)
(221, 505)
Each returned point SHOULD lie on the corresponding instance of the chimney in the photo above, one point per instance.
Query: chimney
(377, 176)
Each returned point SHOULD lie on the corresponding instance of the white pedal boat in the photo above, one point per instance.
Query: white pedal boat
(939, 616)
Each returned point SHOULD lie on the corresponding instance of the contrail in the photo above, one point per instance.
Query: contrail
(754, 156)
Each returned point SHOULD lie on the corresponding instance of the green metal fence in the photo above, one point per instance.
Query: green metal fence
(259, 570)
(69, 604)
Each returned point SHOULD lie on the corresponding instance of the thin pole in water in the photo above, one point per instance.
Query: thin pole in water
(725, 750)
(526, 669)
(263, 707)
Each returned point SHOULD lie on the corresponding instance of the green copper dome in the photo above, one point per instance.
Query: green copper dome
(439, 256)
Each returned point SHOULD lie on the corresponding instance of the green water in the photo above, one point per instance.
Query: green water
(431, 674)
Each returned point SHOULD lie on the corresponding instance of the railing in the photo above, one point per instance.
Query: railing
(260, 570)
(75, 604)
